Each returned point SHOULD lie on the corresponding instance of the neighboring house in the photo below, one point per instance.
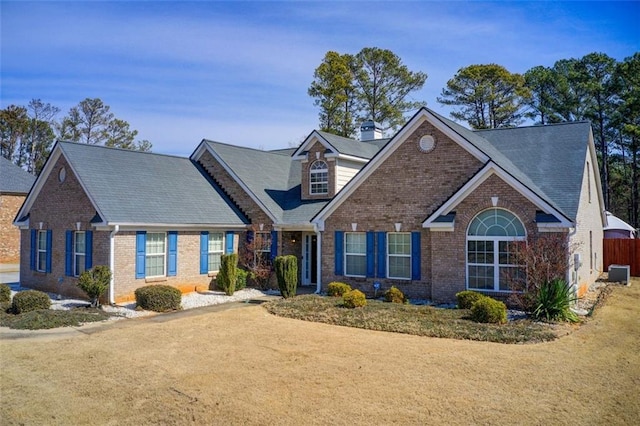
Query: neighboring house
(431, 210)
(618, 228)
(15, 184)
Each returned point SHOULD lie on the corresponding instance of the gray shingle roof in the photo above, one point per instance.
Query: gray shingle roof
(137, 187)
(366, 149)
(551, 156)
(13, 179)
(273, 178)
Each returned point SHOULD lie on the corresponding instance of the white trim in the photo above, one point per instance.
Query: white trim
(409, 256)
(487, 171)
(347, 157)
(313, 137)
(364, 255)
(131, 226)
(205, 147)
(412, 125)
(164, 255)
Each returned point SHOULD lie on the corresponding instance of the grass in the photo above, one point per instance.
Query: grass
(48, 318)
(410, 319)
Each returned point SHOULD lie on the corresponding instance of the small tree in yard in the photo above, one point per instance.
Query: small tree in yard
(228, 273)
(255, 257)
(94, 282)
(544, 258)
(287, 274)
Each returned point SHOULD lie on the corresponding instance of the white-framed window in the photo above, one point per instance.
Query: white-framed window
(492, 238)
(79, 252)
(262, 247)
(41, 259)
(156, 254)
(399, 255)
(215, 250)
(319, 178)
(355, 254)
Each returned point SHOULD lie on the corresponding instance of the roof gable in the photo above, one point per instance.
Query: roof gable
(272, 180)
(138, 188)
(561, 149)
(338, 146)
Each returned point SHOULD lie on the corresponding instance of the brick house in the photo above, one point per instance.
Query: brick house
(15, 184)
(432, 210)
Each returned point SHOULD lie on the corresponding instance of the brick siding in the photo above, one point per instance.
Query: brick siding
(9, 234)
(59, 206)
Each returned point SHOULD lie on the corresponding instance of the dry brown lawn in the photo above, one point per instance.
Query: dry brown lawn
(245, 366)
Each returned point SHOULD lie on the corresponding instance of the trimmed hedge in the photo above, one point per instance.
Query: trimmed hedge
(5, 293)
(395, 295)
(287, 275)
(30, 300)
(228, 273)
(337, 289)
(158, 298)
(467, 298)
(354, 299)
(488, 310)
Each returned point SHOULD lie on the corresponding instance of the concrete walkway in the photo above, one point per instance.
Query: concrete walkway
(9, 273)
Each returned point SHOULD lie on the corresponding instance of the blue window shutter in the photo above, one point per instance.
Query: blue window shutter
(172, 268)
(141, 251)
(249, 237)
(370, 254)
(274, 245)
(415, 255)
(339, 253)
(88, 243)
(382, 254)
(204, 252)
(228, 239)
(49, 246)
(34, 249)
(68, 253)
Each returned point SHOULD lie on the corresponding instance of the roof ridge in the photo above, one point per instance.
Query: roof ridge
(564, 123)
(111, 148)
(246, 147)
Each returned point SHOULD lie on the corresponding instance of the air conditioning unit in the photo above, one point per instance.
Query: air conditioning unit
(620, 274)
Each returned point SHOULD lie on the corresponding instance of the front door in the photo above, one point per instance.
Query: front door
(309, 259)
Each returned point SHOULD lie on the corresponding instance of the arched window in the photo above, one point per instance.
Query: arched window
(491, 241)
(319, 178)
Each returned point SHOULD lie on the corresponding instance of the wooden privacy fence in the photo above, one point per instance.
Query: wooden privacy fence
(622, 252)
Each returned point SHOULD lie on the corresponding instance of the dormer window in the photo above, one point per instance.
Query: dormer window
(319, 178)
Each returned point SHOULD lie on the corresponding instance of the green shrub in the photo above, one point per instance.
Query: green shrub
(354, 299)
(488, 310)
(287, 275)
(467, 298)
(241, 281)
(158, 298)
(94, 282)
(228, 274)
(395, 295)
(30, 300)
(337, 289)
(553, 302)
(5, 293)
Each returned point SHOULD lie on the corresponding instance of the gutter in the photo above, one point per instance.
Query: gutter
(112, 263)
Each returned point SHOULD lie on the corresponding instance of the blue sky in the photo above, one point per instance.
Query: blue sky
(238, 72)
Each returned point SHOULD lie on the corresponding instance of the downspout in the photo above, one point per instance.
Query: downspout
(319, 261)
(112, 263)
